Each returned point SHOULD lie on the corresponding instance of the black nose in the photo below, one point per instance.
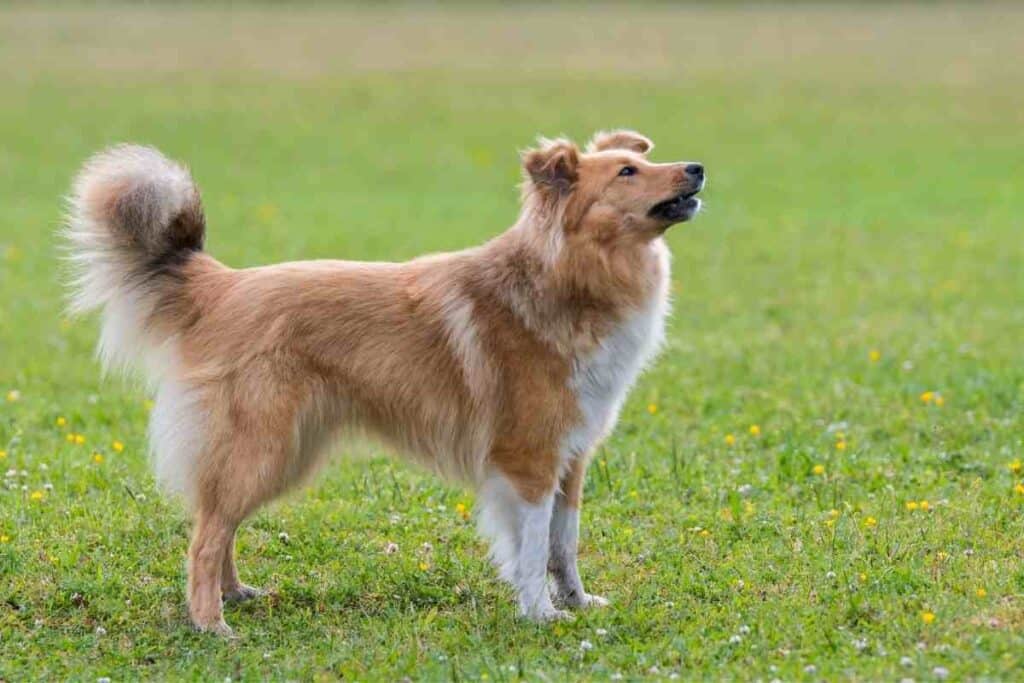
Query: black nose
(696, 170)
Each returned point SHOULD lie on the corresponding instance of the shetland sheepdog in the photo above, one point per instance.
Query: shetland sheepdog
(502, 366)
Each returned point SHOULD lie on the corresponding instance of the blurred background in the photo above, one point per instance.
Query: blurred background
(853, 291)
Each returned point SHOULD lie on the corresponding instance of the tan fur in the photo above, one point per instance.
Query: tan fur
(460, 360)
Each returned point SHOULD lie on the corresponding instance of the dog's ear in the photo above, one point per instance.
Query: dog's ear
(552, 165)
(620, 139)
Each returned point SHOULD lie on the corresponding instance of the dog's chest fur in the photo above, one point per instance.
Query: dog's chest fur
(602, 379)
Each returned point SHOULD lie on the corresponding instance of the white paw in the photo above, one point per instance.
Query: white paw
(575, 601)
(590, 600)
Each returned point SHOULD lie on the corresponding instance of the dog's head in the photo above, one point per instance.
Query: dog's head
(611, 191)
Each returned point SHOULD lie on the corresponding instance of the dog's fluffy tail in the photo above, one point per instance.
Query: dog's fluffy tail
(134, 221)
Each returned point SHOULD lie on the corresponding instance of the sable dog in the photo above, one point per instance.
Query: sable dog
(503, 365)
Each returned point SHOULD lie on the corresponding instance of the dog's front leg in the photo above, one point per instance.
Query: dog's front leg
(564, 534)
(532, 562)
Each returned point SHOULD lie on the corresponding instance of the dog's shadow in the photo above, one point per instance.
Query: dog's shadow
(407, 594)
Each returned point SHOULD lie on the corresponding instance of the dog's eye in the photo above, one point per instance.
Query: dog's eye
(628, 170)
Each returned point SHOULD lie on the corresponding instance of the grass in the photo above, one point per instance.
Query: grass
(862, 246)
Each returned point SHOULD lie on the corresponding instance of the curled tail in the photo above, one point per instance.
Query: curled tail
(134, 221)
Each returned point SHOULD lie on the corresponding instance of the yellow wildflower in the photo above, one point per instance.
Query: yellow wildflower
(1019, 488)
(819, 469)
(36, 495)
(840, 445)
(117, 446)
(13, 395)
(912, 505)
(70, 438)
(924, 505)
(927, 617)
(652, 408)
(863, 577)
(730, 440)
(1015, 466)
(62, 421)
(870, 522)
(461, 510)
(833, 513)
(874, 355)
(424, 566)
(705, 533)
(4, 538)
(981, 592)
(3, 454)
(755, 430)
(267, 212)
(939, 400)
(97, 458)
(79, 439)
(927, 396)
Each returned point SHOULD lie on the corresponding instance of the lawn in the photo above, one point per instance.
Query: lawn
(819, 479)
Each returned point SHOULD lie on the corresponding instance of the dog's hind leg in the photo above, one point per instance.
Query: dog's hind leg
(211, 541)
(231, 587)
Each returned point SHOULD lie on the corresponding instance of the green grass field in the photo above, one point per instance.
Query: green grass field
(846, 341)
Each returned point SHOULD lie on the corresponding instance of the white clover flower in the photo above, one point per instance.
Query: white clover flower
(941, 673)
(830, 575)
(100, 631)
(284, 537)
(860, 644)
(586, 645)
(906, 662)
(810, 669)
(601, 631)
(391, 548)
(48, 486)
(744, 629)
(736, 639)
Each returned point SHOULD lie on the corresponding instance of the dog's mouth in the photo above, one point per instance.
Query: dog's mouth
(679, 208)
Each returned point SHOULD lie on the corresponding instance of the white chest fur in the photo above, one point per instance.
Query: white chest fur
(602, 379)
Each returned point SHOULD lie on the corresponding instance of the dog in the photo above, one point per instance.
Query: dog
(502, 366)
